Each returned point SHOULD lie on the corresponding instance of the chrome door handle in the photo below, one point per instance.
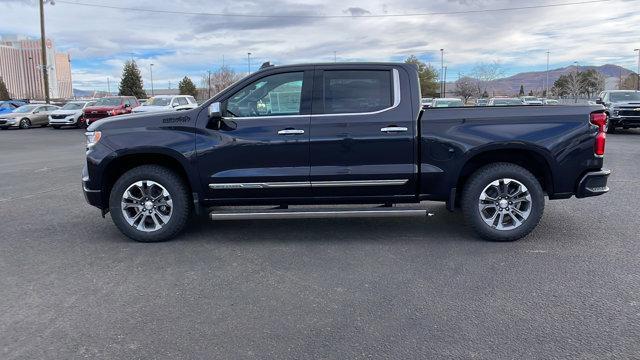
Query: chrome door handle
(290, 132)
(390, 129)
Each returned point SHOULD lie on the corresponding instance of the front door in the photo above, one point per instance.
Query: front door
(362, 134)
(260, 149)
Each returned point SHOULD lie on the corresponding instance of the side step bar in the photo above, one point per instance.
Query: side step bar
(318, 214)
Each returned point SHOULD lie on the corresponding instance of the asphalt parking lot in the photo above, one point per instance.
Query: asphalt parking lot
(71, 286)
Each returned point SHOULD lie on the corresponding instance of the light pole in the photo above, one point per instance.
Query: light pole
(638, 73)
(209, 83)
(43, 48)
(441, 72)
(151, 71)
(249, 62)
(444, 83)
(335, 59)
(546, 92)
(577, 83)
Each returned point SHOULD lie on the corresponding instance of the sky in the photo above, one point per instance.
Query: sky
(101, 39)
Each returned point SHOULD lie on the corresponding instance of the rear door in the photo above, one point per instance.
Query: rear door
(362, 133)
(260, 149)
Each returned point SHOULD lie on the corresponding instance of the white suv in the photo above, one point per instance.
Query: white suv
(167, 103)
(69, 114)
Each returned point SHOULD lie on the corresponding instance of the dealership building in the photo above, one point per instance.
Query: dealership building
(21, 68)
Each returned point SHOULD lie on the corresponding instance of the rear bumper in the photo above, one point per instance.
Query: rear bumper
(593, 184)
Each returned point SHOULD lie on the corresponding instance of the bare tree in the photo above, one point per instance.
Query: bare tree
(465, 87)
(218, 81)
(485, 73)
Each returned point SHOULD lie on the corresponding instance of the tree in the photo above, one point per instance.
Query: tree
(591, 82)
(218, 81)
(4, 93)
(485, 73)
(630, 83)
(521, 93)
(428, 76)
(465, 87)
(131, 82)
(187, 87)
(485, 94)
(530, 92)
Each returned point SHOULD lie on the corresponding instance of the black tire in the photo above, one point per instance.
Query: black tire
(611, 129)
(177, 189)
(4, 127)
(55, 126)
(481, 179)
(24, 123)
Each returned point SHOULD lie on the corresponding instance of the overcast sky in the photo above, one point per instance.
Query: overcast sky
(101, 39)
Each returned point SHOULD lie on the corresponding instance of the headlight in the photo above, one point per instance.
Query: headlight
(111, 112)
(92, 138)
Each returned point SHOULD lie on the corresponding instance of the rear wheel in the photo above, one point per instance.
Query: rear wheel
(25, 123)
(503, 202)
(149, 203)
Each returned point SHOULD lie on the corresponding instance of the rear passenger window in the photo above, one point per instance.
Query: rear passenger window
(357, 91)
(182, 101)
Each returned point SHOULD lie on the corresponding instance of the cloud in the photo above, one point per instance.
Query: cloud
(100, 40)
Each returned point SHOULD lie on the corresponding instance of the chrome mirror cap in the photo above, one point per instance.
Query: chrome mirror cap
(214, 110)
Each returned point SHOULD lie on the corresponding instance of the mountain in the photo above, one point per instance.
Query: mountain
(535, 80)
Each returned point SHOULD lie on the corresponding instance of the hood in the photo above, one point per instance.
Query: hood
(102, 108)
(66, 112)
(5, 111)
(171, 119)
(152, 108)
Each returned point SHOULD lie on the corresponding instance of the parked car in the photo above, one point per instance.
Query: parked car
(109, 106)
(426, 102)
(71, 114)
(504, 102)
(622, 107)
(359, 139)
(530, 100)
(447, 102)
(8, 106)
(168, 103)
(27, 115)
(552, 102)
(482, 102)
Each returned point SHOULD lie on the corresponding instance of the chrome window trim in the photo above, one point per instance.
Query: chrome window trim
(307, 184)
(396, 103)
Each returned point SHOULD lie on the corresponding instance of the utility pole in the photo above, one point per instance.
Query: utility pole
(249, 62)
(151, 71)
(547, 84)
(43, 48)
(209, 83)
(442, 72)
(638, 73)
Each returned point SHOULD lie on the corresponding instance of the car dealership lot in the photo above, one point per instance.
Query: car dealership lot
(73, 286)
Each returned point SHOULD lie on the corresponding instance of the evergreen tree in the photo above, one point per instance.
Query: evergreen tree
(4, 93)
(131, 82)
(521, 93)
(428, 76)
(530, 92)
(187, 87)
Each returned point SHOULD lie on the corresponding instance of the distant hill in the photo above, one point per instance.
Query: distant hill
(535, 80)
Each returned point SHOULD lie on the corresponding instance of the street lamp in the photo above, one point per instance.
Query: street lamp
(249, 62)
(546, 92)
(442, 72)
(638, 73)
(43, 48)
(151, 71)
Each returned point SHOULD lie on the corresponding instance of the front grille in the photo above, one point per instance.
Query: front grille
(629, 112)
(58, 117)
(2, 122)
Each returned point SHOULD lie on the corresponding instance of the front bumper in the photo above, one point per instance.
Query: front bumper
(92, 196)
(69, 120)
(8, 122)
(593, 183)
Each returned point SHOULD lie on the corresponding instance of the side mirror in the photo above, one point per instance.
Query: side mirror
(215, 111)
(127, 105)
(599, 101)
(175, 105)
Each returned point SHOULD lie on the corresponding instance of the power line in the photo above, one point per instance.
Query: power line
(460, 12)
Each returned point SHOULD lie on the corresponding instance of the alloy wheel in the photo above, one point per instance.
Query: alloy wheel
(146, 205)
(505, 204)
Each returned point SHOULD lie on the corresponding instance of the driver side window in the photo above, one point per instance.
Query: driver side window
(274, 95)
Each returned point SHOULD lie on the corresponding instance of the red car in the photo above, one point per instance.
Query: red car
(110, 106)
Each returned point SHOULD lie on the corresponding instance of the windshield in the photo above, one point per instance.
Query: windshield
(72, 106)
(530, 98)
(6, 105)
(448, 103)
(502, 102)
(159, 101)
(108, 102)
(25, 108)
(625, 96)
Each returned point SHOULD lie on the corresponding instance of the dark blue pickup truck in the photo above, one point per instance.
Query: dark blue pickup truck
(304, 140)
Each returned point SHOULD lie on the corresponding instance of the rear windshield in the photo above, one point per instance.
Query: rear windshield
(625, 96)
(72, 106)
(109, 102)
(159, 101)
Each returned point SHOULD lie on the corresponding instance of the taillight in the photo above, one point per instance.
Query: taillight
(599, 120)
(598, 148)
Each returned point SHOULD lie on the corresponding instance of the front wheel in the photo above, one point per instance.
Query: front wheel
(55, 126)
(503, 202)
(25, 123)
(149, 203)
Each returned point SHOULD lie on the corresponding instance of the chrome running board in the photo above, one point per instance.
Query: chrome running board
(279, 213)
